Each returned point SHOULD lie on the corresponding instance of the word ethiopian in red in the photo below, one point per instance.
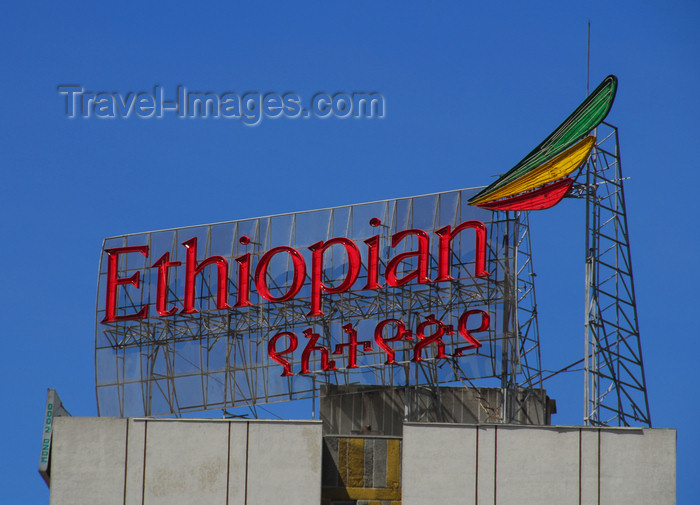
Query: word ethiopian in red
(193, 268)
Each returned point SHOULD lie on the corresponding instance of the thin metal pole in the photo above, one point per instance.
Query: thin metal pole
(507, 307)
(588, 58)
(589, 261)
(588, 257)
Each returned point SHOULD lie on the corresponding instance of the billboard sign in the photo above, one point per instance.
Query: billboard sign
(419, 290)
(262, 310)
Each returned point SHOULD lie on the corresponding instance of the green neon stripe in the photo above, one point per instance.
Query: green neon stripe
(587, 116)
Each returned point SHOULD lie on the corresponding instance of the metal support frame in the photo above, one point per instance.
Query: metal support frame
(217, 359)
(520, 377)
(615, 391)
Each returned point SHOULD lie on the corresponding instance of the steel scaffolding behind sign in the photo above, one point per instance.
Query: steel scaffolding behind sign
(420, 290)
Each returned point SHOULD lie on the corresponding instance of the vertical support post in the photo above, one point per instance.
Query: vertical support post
(614, 384)
(507, 308)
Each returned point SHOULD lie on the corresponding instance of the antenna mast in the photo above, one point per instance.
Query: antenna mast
(588, 59)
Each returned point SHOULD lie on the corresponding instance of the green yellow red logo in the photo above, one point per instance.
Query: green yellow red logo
(542, 178)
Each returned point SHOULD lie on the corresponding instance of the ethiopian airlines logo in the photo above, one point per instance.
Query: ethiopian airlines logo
(543, 177)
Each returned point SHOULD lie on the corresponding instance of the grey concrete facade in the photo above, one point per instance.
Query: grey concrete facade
(524, 465)
(116, 461)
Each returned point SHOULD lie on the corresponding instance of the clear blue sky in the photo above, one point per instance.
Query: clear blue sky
(470, 88)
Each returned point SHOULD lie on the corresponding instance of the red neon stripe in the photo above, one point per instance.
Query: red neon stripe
(543, 198)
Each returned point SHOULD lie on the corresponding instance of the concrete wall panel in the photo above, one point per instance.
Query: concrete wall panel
(486, 466)
(186, 462)
(136, 443)
(238, 456)
(87, 461)
(284, 463)
(439, 464)
(537, 466)
(638, 467)
(589, 466)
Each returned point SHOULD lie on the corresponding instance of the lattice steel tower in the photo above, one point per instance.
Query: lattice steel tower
(615, 388)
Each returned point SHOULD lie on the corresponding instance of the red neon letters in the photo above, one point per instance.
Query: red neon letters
(446, 237)
(113, 281)
(352, 346)
(317, 284)
(277, 355)
(297, 277)
(394, 275)
(422, 342)
(193, 269)
(473, 343)
(434, 338)
(400, 334)
(423, 252)
(163, 264)
(326, 364)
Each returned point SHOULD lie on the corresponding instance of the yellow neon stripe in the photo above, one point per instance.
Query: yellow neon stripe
(552, 170)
